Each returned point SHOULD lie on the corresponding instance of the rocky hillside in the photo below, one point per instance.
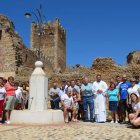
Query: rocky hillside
(105, 66)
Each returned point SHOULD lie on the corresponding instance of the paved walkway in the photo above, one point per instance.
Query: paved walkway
(71, 131)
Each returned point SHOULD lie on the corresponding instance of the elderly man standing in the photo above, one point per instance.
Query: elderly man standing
(100, 90)
(87, 98)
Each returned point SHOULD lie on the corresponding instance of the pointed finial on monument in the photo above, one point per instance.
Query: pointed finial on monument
(38, 69)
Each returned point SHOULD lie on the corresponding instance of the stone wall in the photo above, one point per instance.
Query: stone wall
(16, 60)
(7, 48)
(133, 57)
(104, 66)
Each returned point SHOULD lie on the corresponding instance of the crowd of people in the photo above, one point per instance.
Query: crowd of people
(13, 95)
(80, 99)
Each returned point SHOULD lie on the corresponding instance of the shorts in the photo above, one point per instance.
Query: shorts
(10, 103)
(122, 105)
(113, 105)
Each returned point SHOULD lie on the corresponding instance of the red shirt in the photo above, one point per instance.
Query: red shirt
(10, 90)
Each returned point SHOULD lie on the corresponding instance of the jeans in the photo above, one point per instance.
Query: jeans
(55, 103)
(88, 101)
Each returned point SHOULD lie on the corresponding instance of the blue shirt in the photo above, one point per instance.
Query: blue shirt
(113, 94)
(123, 89)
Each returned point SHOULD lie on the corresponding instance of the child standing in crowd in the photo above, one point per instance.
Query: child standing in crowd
(19, 97)
(112, 95)
(76, 98)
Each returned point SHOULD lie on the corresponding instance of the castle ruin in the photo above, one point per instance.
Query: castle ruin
(18, 61)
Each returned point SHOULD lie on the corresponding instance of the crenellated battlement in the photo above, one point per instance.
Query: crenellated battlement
(48, 26)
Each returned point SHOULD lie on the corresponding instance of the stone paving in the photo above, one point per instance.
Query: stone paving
(71, 131)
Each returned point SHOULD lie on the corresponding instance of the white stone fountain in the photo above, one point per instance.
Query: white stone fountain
(38, 112)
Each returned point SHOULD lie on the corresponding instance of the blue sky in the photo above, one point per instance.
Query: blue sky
(95, 28)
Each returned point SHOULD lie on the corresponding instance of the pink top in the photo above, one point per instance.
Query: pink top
(10, 90)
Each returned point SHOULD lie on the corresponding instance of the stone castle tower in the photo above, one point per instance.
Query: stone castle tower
(18, 61)
(52, 44)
